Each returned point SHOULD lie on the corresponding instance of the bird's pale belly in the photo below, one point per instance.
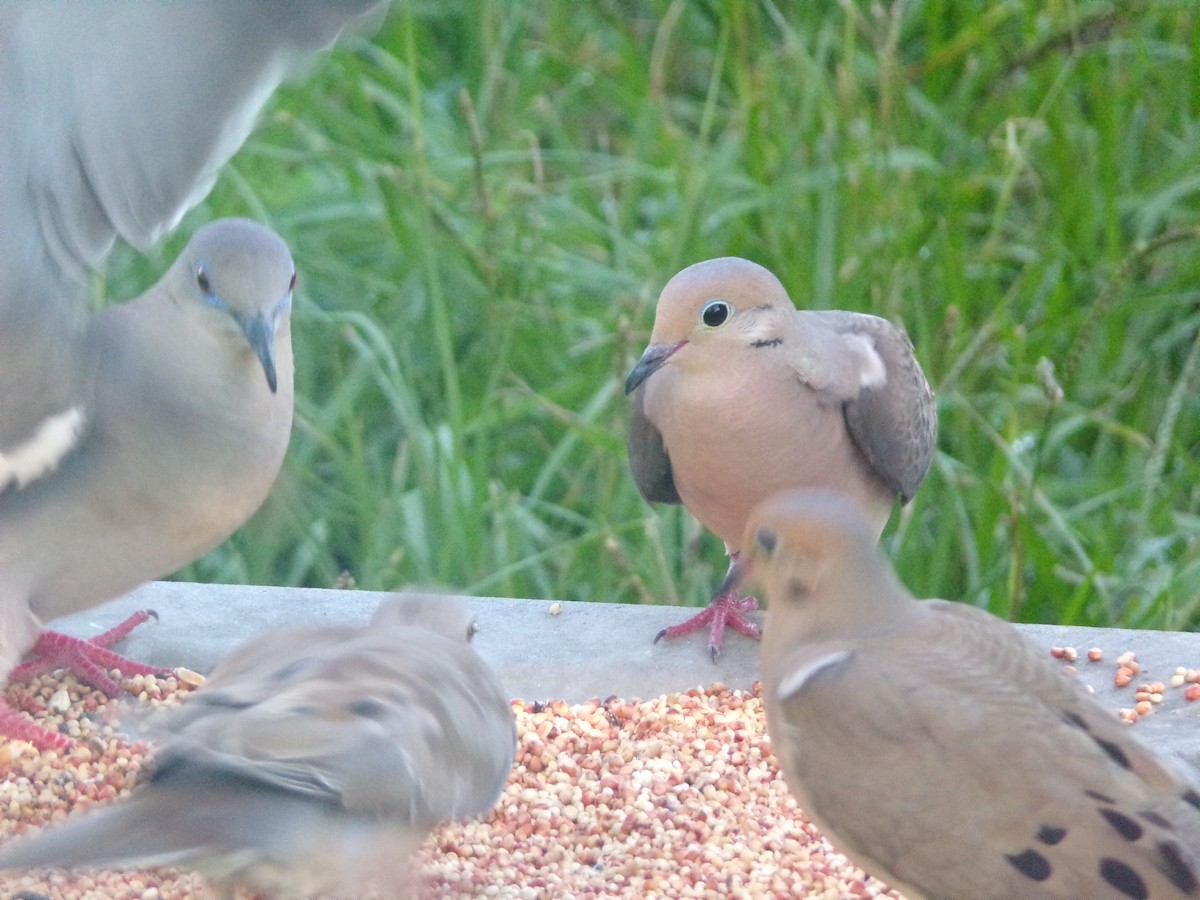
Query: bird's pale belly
(737, 456)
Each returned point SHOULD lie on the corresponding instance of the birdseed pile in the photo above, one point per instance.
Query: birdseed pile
(678, 796)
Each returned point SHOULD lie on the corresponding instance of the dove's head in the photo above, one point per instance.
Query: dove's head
(440, 613)
(813, 554)
(718, 306)
(242, 272)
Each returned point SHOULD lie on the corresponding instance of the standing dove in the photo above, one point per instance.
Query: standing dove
(937, 747)
(138, 438)
(312, 761)
(740, 395)
(186, 428)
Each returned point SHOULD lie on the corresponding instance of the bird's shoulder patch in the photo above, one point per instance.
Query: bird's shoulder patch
(41, 453)
(798, 678)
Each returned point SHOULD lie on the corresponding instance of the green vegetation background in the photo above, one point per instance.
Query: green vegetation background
(485, 198)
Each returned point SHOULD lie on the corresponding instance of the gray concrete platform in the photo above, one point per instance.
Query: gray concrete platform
(589, 649)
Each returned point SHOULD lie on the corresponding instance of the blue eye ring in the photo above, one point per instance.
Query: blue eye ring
(716, 313)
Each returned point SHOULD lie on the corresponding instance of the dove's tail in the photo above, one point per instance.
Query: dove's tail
(153, 828)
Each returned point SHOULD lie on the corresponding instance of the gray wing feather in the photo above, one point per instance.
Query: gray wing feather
(895, 426)
(114, 120)
(648, 457)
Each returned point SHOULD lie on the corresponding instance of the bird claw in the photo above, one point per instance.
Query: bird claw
(16, 726)
(91, 660)
(727, 610)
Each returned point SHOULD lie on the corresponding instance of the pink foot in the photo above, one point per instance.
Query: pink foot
(17, 726)
(90, 659)
(727, 609)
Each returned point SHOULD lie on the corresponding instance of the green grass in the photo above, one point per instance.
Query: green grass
(485, 198)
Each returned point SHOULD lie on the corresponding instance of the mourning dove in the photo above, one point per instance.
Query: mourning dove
(312, 761)
(740, 395)
(134, 440)
(938, 748)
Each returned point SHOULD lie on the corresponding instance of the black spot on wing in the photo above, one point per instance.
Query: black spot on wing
(368, 708)
(1177, 869)
(1031, 864)
(1192, 798)
(1115, 753)
(1077, 720)
(1122, 824)
(1155, 819)
(1103, 798)
(1123, 878)
(1051, 834)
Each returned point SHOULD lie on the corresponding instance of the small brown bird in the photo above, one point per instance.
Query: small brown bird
(740, 395)
(938, 748)
(311, 761)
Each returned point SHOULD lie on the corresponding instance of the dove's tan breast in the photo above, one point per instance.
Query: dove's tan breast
(740, 432)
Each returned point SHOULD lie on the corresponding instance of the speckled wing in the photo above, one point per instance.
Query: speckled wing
(648, 457)
(393, 721)
(307, 756)
(895, 425)
(951, 760)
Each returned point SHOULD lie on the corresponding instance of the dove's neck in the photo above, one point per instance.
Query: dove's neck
(865, 600)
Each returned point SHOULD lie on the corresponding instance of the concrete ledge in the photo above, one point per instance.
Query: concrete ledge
(589, 649)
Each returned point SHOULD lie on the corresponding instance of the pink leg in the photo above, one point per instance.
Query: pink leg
(91, 659)
(17, 726)
(727, 609)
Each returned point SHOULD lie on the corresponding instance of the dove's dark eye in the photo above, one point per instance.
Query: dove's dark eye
(202, 280)
(715, 312)
(766, 540)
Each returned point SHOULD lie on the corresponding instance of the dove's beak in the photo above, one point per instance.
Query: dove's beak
(652, 360)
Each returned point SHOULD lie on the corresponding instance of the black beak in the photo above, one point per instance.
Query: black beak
(652, 360)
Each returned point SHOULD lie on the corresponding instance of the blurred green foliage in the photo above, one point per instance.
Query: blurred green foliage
(485, 198)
